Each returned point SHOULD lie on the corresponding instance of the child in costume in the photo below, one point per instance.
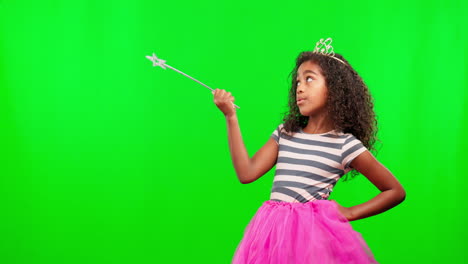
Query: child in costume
(328, 132)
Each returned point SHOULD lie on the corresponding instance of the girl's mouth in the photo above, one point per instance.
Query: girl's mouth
(300, 100)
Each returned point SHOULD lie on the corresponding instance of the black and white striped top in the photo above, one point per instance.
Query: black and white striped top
(309, 165)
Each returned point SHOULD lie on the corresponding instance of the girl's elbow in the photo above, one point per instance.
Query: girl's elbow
(244, 180)
(401, 195)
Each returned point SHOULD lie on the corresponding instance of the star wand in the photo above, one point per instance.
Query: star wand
(162, 63)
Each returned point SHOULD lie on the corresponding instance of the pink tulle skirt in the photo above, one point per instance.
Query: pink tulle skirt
(301, 233)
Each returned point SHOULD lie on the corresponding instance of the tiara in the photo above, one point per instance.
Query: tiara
(325, 48)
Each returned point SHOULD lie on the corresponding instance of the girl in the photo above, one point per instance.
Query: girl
(327, 132)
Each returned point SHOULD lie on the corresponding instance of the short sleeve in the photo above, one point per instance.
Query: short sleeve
(276, 134)
(352, 148)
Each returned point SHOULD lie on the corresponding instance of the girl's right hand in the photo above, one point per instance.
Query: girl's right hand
(224, 101)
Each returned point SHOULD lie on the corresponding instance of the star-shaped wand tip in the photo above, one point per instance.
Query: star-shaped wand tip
(156, 61)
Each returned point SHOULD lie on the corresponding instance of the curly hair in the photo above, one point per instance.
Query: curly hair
(349, 103)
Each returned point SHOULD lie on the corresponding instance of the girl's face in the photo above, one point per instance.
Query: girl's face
(311, 92)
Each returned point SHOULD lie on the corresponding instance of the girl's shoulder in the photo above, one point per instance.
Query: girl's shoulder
(282, 130)
(350, 138)
(347, 140)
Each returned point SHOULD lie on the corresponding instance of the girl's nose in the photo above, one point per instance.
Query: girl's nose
(299, 88)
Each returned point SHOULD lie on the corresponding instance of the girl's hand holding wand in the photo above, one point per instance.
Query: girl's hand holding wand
(225, 102)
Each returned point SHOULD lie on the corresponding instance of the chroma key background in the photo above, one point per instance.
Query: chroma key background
(106, 159)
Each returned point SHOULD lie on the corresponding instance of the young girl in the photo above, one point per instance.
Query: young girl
(327, 132)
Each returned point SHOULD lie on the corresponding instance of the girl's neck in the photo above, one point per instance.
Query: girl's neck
(318, 125)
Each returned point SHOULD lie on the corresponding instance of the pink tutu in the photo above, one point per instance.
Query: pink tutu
(301, 233)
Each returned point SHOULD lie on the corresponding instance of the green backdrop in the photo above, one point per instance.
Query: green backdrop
(106, 159)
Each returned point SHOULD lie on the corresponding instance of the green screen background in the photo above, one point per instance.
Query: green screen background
(106, 159)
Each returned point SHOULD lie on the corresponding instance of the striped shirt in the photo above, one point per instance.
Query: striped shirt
(309, 165)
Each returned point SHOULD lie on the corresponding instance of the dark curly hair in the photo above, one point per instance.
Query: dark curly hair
(349, 103)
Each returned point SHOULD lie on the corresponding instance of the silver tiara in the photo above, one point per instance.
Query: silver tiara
(325, 48)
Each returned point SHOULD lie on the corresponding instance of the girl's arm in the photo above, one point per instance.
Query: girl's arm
(247, 169)
(392, 193)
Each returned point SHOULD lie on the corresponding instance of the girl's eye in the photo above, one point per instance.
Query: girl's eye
(298, 82)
